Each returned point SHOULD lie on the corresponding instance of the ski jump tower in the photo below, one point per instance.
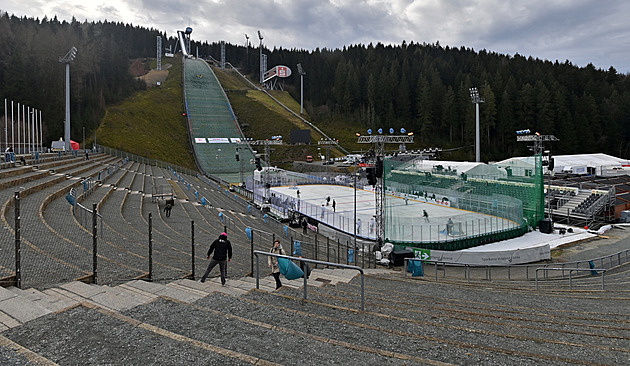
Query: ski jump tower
(184, 41)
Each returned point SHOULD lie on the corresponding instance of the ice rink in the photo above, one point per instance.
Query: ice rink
(406, 218)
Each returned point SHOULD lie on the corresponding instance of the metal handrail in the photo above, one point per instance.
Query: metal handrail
(603, 270)
(615, 259)
(257, 252)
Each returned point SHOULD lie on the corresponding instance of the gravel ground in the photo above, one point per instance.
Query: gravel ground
(378, 333)
(9, 356)
(613, 241)
(265, 342)
(83, 336)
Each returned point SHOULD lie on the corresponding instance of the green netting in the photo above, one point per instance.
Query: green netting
(483, 205)
(211, 120)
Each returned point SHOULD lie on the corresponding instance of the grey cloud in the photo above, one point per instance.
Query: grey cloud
(582, 31)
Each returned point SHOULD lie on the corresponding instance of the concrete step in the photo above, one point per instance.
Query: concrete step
(164, 290)
(265, 283)
(117, 299)
(109, 297)
(51, 303)
(18, 308)
(211, 286)
(148, 296)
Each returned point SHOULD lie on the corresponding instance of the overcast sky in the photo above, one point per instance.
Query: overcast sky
(581, 31)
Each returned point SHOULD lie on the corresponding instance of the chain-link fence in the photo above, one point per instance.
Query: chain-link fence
(107, 228)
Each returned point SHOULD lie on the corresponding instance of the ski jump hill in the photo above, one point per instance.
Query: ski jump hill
(214, 130)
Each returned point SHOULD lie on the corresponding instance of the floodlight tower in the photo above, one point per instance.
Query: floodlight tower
(222, 55)
(159, 53)
(246, 53)
(302, 73)
(379, 142)
(476, 99)
(67, 59)
(539, 149)
(260, 37)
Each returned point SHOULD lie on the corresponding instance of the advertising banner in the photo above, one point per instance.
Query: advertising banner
(506, 257)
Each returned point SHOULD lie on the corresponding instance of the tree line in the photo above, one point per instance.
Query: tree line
(31, 73)
(425, 88)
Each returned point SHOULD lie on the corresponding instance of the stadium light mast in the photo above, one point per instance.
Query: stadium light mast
(67, 59)
(159, 53)
(476, 99)
(260, 37)
(302, 73)
(246, 53)
(379, 142)
(539, 149)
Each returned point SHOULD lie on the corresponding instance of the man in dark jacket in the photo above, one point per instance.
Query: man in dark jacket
(222, 249)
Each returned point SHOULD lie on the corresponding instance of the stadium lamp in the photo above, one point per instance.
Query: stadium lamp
(358, 134)
(369, 131)
(476, 99)
(380, 131)
(402, 130)
(302, 73)
(260, 37)
(67, 59)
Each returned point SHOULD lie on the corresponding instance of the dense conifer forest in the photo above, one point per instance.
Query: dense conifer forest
(421, 87)
(31, 74)
(425, 88)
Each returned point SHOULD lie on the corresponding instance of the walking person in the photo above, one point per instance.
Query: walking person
(304, 225)
(273, 261)
(425, 215)
(222, 249)
(406, 200)
(169, 206)
(334, 206)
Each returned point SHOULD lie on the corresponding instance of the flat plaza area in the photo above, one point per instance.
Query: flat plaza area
(405, 220)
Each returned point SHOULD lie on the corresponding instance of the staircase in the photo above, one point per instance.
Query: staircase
(567, 209)
(407, 321)
(20, 306)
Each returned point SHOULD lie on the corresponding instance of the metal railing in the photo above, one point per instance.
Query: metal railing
(508, 271)
(593, 270)
(258, 252)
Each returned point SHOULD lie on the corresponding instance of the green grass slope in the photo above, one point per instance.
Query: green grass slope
(150, 122)
(261, 117)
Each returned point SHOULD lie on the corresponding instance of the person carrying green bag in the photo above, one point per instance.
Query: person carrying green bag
(273, 261)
